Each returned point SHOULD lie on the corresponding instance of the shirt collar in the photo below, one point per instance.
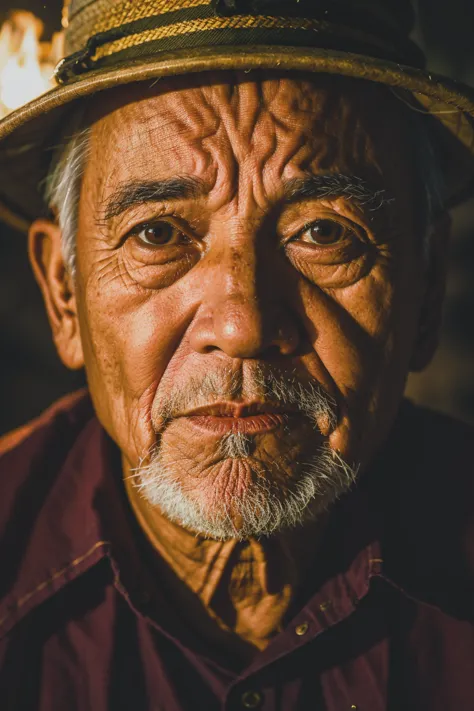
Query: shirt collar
(65, 509)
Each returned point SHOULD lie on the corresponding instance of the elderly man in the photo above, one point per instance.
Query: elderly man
(246, 250)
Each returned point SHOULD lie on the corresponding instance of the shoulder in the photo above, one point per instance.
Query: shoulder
(439, 434)
(429, 508)
(65, 410)
(50, 531)
(429, 447)
(435, 463)
(34, 453)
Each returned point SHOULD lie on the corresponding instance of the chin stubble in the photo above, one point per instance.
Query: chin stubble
(265, 507)
(262, 510)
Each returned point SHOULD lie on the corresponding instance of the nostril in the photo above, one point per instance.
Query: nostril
(287, 339)
(273, 351)
(209, 349)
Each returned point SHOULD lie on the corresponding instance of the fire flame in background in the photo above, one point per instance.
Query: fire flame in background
(26, 63)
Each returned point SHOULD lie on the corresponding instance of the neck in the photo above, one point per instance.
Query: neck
(245, 588)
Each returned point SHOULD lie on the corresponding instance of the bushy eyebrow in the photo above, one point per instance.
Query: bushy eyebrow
(336, 185)
(138, 192)
(318, 187)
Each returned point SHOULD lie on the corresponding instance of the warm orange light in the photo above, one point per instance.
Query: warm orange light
(26, 63)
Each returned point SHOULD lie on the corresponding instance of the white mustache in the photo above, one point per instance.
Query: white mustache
(264, 384)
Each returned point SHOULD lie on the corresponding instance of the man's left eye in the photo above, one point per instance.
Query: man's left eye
(325, 233)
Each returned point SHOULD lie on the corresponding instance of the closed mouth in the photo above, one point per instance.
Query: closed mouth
(239, 410)
(245, 418)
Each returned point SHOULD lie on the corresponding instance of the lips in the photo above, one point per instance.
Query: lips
(237, 409)
(248, 418)
(252, 424)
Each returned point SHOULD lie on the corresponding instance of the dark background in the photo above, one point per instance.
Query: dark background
(31, 375)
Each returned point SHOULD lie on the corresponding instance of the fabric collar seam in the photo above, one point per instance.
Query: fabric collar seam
(21, 602)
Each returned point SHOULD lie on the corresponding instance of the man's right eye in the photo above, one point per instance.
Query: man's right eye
(160, 234)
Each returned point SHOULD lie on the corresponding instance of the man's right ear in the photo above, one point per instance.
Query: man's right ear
(57, 287)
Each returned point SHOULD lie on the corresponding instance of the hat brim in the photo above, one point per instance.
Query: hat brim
(28, 133)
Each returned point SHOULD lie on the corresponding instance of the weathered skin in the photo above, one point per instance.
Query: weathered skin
(354, 316)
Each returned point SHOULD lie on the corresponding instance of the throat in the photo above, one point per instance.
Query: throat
(254, 592)
(234, 593)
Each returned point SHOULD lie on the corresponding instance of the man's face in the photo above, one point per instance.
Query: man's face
(216, 280)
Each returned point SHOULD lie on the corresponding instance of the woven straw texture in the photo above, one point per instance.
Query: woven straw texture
(230, 23)
(91, 17)
(88, 18)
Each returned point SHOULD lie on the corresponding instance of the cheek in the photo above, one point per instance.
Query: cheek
(128, 340)
(348, 329)
(362, 337)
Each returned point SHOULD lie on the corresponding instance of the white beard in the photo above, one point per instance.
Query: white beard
(266, 504)
(263, 509)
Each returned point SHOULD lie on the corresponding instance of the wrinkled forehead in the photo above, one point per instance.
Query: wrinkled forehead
(332, 123)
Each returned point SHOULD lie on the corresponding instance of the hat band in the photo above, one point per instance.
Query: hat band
(199, 26)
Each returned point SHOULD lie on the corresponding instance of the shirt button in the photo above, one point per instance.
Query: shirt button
(302, 629)
(251, 699)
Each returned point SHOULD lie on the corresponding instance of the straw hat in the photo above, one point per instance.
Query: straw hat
(116, 42)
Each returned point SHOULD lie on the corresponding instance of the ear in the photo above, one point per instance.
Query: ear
(56, 284)
(429, 323)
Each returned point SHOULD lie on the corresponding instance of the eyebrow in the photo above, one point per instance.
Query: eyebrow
(319, 187)
(139, 192)
(336, 185)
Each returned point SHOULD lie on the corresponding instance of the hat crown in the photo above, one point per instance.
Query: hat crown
(398, 13)
(382, 23)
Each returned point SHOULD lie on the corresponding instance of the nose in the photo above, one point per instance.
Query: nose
(245, 311)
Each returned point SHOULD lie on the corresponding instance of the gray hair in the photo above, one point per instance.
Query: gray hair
(64, 181)
(63, 190)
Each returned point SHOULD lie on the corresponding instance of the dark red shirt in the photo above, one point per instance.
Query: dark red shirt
(385, 621)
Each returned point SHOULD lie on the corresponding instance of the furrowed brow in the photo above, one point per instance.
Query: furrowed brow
(139, 192)
(336, 185)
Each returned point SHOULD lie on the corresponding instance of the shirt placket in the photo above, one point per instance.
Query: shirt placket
(316, 690)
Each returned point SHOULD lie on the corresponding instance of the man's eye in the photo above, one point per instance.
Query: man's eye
(160, 234)
(324, 233)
